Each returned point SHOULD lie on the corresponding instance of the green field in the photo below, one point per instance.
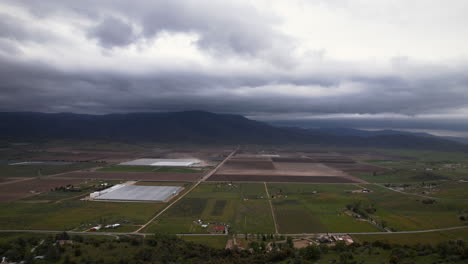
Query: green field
(73, 214)
(440, 190)
(408, 212)
(38, 170)
(211, 241)
(242, 206)
(299, 209)
(418, 166)
(324, 211)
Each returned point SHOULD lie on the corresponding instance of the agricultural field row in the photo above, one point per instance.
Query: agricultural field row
(244, 207)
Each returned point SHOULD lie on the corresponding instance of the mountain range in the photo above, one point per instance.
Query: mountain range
(200, 127)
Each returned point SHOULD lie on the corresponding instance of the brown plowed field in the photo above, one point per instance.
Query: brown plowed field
(265, 178)
(307, 169)
(332, 160)
(248, 165)
(293, 159)
(23, 189)
(356, 167)
(147, 176)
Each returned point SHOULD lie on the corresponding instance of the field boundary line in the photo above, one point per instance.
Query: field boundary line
(187, 192)
(16, 180)
(271, 208)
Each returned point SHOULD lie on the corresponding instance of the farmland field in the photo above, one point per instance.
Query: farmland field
(73, 214)
(325, 209)
(152, 169)
(322, 193)
(320, 208)
(132, 176)
(282, 178)
(21, 189)
(442, 190)
(211, 241)
(38, 170)
(407, 212)
(242, 206)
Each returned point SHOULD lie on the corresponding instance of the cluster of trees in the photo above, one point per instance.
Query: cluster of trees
(428, 201)
(361, 209)
(68, 188)
(162, 248)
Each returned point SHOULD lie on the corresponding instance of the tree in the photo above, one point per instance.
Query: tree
(290, 243)
(311, 253)
(52, 253)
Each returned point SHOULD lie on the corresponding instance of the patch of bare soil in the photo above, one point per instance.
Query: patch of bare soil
(134, 176)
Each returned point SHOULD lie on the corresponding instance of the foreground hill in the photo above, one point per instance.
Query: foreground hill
(195, 127)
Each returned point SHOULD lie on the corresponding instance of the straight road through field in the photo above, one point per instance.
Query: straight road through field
(271, 208)
(188, 191)
(239, 235)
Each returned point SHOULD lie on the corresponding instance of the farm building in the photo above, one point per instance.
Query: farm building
(135, 193)
(163, 162)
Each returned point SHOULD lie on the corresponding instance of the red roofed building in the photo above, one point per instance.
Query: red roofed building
(219, 229)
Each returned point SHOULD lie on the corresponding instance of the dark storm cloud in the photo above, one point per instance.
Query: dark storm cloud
(112, 31)
(38, 87)
(221, 26)
(225, 31)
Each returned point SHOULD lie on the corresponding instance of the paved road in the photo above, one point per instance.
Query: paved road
(97, 233)
(239, 235)
(188, 191)
(209, 174)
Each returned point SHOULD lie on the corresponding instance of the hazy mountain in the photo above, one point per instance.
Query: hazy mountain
(344, 131)
(199, 127)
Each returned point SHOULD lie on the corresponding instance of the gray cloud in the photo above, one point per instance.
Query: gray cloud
(112, 31)
(221, 26)
(287, 85)
(13, 28)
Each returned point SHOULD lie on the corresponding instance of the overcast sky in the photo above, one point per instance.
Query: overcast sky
(349, 60)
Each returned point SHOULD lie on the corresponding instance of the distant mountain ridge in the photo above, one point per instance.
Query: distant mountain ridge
(344, 131)
(199, 127)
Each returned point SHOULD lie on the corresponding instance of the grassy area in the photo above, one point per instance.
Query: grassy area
(441, 189)
(242, 206)
(406, 212)
(38, 170)
(422, 238)
(322, 208)
(318, 206)
(211, 241)
(152, 169)
(73, 214)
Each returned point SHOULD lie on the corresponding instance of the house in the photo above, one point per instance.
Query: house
(219, 229)
(96, 228)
